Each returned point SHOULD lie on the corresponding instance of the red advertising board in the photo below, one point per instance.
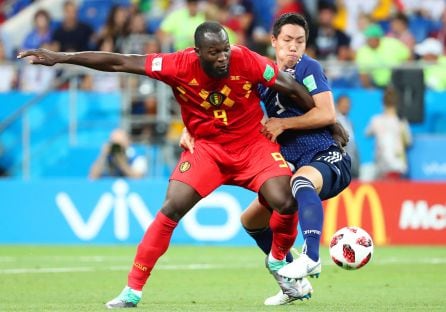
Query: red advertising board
(394, 213)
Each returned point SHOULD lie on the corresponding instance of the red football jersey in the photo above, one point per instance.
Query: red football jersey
(219, 110)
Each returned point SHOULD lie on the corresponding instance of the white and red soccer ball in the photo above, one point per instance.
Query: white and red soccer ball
(351, 248)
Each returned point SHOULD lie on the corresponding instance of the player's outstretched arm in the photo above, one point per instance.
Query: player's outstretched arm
(103, 61)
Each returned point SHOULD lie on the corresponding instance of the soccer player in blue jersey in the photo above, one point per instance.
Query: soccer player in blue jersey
(321, 166)
(311, 143)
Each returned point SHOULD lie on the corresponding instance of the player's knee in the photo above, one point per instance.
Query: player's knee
(173, 210)
(244, 220)
(284, 204)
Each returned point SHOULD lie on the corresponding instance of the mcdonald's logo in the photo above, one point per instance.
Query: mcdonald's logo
(354, 205)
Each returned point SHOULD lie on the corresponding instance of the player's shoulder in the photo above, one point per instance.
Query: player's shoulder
(185, 60)
(187, 55)
(239, 49)
(308, 62)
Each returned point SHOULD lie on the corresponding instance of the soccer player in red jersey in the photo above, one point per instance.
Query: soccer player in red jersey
(216, 86)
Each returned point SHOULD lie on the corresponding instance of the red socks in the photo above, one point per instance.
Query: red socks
(153, 245)
(284, 229)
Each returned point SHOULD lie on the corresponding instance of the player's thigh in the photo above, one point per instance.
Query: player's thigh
(256, 164)
(255, 216)
(180, 198)
(312, 174)
(336, 176)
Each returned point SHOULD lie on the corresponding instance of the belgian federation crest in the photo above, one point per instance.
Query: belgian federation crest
(184, 166)
(216, 98)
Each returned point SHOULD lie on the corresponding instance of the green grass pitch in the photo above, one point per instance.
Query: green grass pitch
(83, 278)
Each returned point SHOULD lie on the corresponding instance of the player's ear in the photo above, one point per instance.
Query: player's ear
(197, 50)
(273, 41)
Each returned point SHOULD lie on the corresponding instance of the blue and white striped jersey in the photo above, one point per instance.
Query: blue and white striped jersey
(299, 147)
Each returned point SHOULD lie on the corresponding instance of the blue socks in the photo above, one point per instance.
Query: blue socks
(264, 239)
(311, 215)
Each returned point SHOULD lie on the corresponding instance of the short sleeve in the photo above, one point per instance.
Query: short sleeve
(314, 79)
(162, 66)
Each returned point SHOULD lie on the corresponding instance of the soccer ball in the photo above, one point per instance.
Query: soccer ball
(351, 248)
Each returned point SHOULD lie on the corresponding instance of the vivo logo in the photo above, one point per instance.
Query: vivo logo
(434, 168)
(121, 203)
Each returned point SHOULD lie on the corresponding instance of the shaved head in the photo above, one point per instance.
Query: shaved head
(209, 31)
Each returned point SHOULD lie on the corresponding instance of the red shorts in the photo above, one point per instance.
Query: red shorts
(212, 165)
(248, 166)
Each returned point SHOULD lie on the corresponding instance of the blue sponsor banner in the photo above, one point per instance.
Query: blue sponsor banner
(427, 158)
(113, 211)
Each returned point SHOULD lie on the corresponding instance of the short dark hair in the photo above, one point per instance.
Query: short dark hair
(290, 18)
(207, 27)
(401, 17)
(390, 96)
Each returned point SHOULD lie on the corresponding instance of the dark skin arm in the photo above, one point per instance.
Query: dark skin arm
(103, 61)
(135, 64)
(286, 85)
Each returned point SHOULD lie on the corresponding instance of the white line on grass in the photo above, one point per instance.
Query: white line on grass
(120, 268)
(203, 266)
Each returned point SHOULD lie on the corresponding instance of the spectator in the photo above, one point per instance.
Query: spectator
(116, 27)
(392, 138)
(9, 50)
(72, 35)
(399, 29)
(144, 99)
(137, 24)
(136, 36)
(7, 72)
(267, 12)
(327, 42)
(218, 11)
(429, 9)
(431, 53)
(377, 56)
(358, 39)
(343, 106)
(177, 28)
(288, 6)
(440, 33)
(118, 159)
(241, 16)
(264, 12)
(349, 13)
(41, 33)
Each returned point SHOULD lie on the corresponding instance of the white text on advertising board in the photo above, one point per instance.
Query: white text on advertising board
(418, 215)
(121, 203)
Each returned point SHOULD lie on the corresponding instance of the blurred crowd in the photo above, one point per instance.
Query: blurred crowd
(356, 40)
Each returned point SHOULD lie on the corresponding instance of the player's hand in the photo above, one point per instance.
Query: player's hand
(40, 56)
(272, 128)
(340, 135)
(187, 142)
